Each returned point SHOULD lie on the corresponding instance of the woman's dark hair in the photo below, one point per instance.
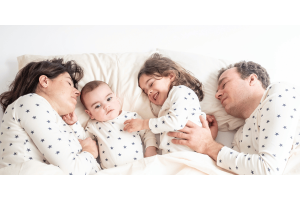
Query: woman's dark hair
(159, 66)
(27, 78)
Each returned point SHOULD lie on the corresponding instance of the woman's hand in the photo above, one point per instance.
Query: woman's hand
(213, 125)
(70, 118)
(132, 125)
(150, 151)
(90, 146)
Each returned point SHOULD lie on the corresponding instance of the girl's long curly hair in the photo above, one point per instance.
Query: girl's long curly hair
(159, 66)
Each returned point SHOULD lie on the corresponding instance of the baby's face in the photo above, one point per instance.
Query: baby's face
(102, 104)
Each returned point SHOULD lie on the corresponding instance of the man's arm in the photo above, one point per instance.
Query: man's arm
(198, 138)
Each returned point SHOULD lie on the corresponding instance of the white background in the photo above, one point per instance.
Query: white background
(276, 48)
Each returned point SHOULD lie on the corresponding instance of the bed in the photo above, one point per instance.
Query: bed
(120, 72)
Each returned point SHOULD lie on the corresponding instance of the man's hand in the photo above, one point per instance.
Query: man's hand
(197, 138)
(150, 151)
(213, 125)
(90, 146)
(70, 118)
(132, 125)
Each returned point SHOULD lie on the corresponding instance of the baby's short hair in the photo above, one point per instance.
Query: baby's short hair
(90, 86)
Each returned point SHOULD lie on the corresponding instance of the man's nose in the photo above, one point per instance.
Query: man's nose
(218, 95)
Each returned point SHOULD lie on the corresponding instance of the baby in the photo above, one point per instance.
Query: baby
(116, 146)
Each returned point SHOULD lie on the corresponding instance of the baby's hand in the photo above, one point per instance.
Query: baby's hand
(132, 125)
(150, 151)
(70, 118)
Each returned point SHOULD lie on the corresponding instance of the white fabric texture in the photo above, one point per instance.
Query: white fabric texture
(206, 70)
(120, 72)
(181, 105)
(269, 136)
(116, 146)
(32, 130)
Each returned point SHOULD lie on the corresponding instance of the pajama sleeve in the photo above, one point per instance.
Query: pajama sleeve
(90, 130)
(278, 116)
(79, 131)
(39, 120)
(177, 116)
(147, 136)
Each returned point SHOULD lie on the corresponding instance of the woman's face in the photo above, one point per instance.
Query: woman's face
(157, 90)
(62, 94)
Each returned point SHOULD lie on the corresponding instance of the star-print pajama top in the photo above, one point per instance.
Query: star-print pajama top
(116, 146)
(181, 105)
(264, 144)
(32, 130)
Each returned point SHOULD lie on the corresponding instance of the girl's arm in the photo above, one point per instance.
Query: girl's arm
(176, 118)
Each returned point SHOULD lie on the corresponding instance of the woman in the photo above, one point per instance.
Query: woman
(39, 122)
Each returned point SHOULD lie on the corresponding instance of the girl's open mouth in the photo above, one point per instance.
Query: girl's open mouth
(155, 96)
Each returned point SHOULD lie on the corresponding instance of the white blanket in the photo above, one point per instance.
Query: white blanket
(179, 163)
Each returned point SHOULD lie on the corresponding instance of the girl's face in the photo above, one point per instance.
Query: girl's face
(157, 90)
(102, 104)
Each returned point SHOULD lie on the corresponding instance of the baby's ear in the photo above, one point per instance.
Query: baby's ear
(89, 113)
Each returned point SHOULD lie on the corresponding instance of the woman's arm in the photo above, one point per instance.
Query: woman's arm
(41, 123)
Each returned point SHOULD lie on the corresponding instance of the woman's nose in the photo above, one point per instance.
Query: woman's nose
(77, 92)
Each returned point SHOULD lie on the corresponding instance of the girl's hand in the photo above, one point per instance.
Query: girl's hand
(150, 151)
(70, 118)
(132, 125)
(213, 125)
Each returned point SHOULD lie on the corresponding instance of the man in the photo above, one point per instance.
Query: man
(272, 128)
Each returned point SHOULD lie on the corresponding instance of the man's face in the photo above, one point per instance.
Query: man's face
(232, 92)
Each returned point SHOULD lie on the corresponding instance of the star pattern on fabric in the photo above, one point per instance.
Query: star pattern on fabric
(271, 135)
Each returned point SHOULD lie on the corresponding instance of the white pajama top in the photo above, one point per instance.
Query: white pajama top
(181, 105)
(116, 146)
(32, 130)
(264, 144)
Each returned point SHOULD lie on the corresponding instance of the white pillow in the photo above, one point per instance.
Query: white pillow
(120, 72)
(206, 70)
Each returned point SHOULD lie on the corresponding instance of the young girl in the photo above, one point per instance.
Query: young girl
(177, 92)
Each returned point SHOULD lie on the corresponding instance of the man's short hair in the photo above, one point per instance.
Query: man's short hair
(90, 86)
(245, 69)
